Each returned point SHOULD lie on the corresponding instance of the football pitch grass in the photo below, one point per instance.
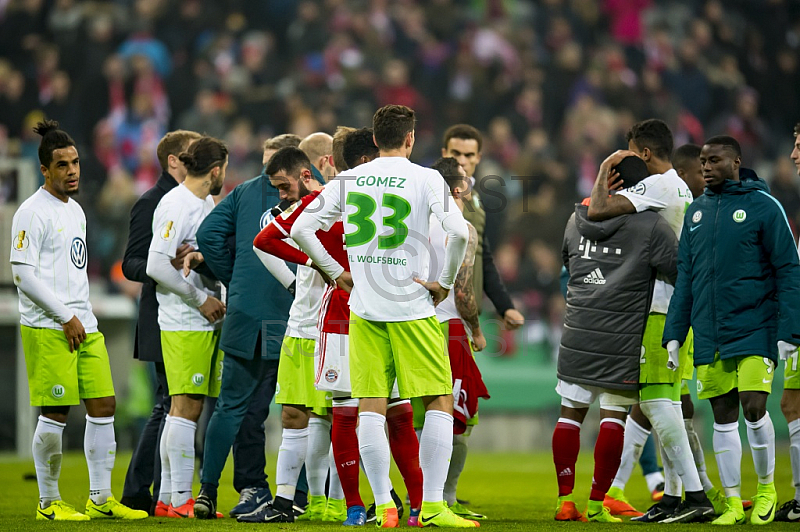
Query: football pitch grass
(516, 491)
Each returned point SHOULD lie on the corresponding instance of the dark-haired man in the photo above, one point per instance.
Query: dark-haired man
(738, 288)
(394, 334)
(289, 172)
(65, 354)
(686, 161)
(790, 402)
(145, 466)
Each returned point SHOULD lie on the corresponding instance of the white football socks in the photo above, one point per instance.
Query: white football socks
(319, 443)
(291, 457)
(668, 424)
(794, 454)
(457, 462)
(100, 448)
(47, 458)
(335, 490)
(761, 435)
(165, 493)
(728, 450)
(180, 447)
(375, 454)
(635, 438)
(435, 450)
(698, 454)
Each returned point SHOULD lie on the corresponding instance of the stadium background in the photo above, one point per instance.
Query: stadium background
(553, 85)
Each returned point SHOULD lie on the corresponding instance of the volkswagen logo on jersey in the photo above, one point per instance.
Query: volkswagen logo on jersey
(77, 252)
(639, 188)
(266, 218)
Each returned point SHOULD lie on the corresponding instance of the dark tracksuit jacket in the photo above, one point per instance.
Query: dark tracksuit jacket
(738, 274)
(612, 268)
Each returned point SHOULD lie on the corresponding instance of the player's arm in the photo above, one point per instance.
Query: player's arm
(212, 238)
(321, 213)
(277, 268)
(603, 206)
(466, 302)
(134, 262)
(680, 305)
(781, 252)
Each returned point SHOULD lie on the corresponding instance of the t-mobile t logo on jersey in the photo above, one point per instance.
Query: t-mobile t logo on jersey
(596, 277)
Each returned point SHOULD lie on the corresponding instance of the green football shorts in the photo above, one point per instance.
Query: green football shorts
(791, 373)
(193, 362)
(57, 377)
(414, 352)
(747, 373)
(296, 377)
(653, 362)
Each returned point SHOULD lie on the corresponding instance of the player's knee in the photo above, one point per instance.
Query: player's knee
(753, 408)
(687, 406)
(101, 407)
(790, 406)
(293, 417)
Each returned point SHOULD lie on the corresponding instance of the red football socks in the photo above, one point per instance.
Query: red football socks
(345, 452)
(405, 450)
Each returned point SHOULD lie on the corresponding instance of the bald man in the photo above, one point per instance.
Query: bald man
(319, 148)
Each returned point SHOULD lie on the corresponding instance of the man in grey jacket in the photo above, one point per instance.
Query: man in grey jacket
(612, 268)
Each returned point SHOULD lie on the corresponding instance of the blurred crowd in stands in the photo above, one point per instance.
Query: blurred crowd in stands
(553, 85)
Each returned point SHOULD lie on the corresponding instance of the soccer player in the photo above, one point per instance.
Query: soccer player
(686, 161)
(464, 143)
(145, 466)
(611, 267)
(289, 172)
(790, 402)
(257, 310)
(458, 316)
(333, 373)
(65, 354)
(739, 310)
(659, 402)
(394, 333)
(190, 316)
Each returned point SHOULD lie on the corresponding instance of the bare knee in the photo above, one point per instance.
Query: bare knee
(790, 405)
(443, 403)
(101, 406)
(187, 406)
(56, 413)
(754, 405)
(687, 406)
(294, 417)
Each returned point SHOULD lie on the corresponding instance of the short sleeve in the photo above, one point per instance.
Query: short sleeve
(27, 234)
(648, 194)
(168, 228)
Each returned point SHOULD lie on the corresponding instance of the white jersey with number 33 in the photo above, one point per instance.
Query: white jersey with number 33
(386, 208)
(50, 235)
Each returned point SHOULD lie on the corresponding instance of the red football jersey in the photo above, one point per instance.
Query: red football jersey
(335, 310)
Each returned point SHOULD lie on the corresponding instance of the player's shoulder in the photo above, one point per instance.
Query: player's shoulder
(35, 207)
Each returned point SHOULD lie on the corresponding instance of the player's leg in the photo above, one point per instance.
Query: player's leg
(566, 446)
(344, 440)
(651, 469)
(96, 388)
(790, 406)
(240, 379)
(717, 382)
(53, 386)
(637, 431)
(404, 446)
(249, 462)
(755, 376)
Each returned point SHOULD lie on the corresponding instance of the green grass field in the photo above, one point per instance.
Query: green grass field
(516, 491)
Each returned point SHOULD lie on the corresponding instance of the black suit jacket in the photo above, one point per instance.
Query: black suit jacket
(147, 345)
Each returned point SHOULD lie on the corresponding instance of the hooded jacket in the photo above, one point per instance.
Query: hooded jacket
(738, 274)
(612, 268)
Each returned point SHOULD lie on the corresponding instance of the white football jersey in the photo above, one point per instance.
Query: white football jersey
(50, 235)
(304, 313)
(386, 206)
(670, 196)
(446, 310)
(175, 222)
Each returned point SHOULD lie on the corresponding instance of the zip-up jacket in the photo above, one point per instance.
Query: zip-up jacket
(738, 274)
(612, 268)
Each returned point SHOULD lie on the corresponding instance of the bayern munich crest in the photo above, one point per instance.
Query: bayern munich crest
(331, 375)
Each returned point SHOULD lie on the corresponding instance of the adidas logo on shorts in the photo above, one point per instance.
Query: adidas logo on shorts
(596, 277)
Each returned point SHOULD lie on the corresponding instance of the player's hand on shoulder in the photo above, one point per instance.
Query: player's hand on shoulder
(191, 261)
(74, 332)
(785, 349)
(478, 341)
(213, 309)
(180, 254)
(345, 282)
(437, 291)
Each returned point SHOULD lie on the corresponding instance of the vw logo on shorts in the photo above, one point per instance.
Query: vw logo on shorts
(57, 391)
(197, 379)
(77, 252)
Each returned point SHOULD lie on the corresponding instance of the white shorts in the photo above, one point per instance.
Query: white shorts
(575, 395)
(332, 363)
